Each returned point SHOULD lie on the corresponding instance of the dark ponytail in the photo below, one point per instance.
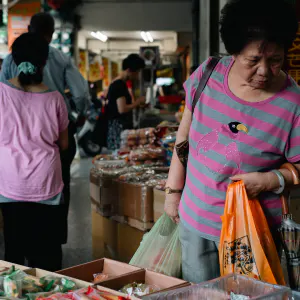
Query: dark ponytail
(28, 79)
(30, 49)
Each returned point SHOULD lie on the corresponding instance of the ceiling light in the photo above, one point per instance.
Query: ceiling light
(100, 36)
(149, 36)
(144, 36)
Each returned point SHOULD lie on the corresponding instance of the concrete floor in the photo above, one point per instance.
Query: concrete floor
(79, 247)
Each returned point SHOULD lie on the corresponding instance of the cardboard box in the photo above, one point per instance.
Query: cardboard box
(106, 266)
(163, 282)
(136, 201)
(142, 226)
(38, 273)
(103, 193)
(159, 204)
(129, 239)
(6, 264)
(104, 237)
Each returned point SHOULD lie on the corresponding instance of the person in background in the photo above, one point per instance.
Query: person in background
(244, 126)
(120, 105)
(59, 74)
(33, 131)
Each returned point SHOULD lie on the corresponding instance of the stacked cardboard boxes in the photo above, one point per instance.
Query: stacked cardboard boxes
(121, 212)
(114, 240)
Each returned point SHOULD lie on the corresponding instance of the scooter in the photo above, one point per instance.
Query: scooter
(88, 138)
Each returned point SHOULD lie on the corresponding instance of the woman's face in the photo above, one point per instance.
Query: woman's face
(259, 64)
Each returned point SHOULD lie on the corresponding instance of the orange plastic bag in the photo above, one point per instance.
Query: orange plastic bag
(246, 244)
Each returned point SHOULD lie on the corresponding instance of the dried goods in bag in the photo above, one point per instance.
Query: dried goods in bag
(160, 250)
(246, 243)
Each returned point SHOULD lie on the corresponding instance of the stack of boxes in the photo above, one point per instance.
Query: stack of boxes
(121, 214)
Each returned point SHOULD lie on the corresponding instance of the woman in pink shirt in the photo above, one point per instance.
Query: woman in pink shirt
(33, 131)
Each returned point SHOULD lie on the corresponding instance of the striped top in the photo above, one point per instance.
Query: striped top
(230, 136)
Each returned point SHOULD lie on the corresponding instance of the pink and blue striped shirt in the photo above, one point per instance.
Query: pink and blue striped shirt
(218, 149)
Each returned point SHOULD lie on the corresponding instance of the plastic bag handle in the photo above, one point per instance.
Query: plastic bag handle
(295, 175)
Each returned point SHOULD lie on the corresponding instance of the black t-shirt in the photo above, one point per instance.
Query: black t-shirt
(118, 89)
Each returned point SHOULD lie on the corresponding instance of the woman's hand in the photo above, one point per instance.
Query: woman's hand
(257, 182)
(141, 100)
(171, 206)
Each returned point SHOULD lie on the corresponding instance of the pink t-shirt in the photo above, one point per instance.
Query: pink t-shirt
(219, 150)
(30, 123)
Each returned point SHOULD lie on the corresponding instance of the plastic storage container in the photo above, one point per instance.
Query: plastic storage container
(222, 287)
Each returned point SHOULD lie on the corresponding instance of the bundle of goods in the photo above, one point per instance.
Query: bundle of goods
(139, 289)
(85, 293)
(15, 283)
(168, 143)
(134, 138)
(146, 154)
(150, 165)
(110, 166)
(95, 294)
(149, 178)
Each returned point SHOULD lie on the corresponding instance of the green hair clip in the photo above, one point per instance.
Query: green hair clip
(27, 68)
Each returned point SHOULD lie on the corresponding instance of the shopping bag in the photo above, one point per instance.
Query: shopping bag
(246, 243)
(160, 250)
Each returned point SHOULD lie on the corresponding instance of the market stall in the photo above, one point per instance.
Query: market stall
(107, 279)
(127, 190)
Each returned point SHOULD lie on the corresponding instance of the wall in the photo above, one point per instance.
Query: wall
(137, 15)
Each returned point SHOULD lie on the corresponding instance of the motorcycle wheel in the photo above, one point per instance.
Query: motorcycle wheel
(88, 146)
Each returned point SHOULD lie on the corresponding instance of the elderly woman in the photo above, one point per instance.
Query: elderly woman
(246, 123)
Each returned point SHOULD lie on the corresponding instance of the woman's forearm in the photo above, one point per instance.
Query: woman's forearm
(176, 176)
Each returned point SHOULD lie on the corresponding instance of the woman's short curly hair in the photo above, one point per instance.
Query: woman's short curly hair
(243, 21)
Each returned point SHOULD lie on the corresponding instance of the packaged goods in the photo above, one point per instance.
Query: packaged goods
(110, 164)
(139, 289)
(146, 178)
(100, 277)
(56, 296)
(147, 153)
(135, 138)
(30, 285)
(104, 157)
(36, 296)
(95, 294)
(12, 283)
